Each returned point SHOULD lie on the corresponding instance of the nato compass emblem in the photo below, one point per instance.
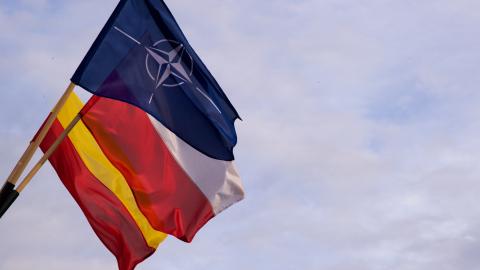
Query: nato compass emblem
(162, 65)
(168, 64)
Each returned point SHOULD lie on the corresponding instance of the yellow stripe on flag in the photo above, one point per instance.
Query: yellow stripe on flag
(99, 165)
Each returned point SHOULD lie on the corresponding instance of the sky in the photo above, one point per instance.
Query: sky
(359, 149)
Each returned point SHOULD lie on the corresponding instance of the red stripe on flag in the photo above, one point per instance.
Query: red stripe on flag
(106, 214)
(164, 192)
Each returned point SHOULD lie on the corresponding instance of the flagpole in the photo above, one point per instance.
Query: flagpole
(48, 154)
(28, 154)
(13, 194)
(7, 190)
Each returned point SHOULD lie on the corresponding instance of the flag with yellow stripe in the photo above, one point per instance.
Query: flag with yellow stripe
(101, 191)
(147, 156)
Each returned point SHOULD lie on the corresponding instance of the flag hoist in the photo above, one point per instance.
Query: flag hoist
(151, 152)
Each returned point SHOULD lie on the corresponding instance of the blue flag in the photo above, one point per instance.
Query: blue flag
(142, 57)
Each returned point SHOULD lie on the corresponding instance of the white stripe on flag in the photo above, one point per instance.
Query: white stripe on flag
(217, 179)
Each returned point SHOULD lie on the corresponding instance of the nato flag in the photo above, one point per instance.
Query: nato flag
(142, 57)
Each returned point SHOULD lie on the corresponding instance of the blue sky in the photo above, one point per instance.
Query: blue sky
(359, 147)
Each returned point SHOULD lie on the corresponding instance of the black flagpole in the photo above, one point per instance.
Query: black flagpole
(7, 196)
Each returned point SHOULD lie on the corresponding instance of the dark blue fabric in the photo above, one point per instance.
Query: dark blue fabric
(123, 64)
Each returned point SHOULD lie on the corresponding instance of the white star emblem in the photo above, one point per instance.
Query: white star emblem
(169, 63)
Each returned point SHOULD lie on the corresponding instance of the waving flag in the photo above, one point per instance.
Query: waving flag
(101, 191)
(141, 57)
(153, 152)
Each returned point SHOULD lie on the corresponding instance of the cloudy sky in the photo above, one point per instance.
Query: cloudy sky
(359, 149)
